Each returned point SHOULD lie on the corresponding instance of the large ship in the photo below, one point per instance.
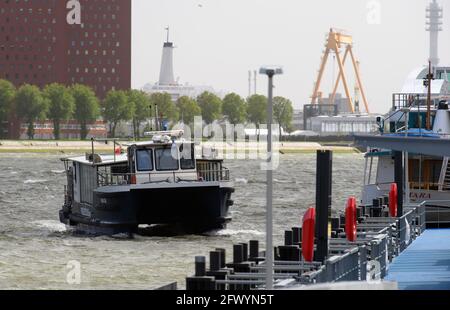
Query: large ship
(420, 110)
(162, 181)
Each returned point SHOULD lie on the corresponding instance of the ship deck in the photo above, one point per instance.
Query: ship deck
(425, 265)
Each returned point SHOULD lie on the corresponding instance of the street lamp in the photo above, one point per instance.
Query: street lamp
(270, 72)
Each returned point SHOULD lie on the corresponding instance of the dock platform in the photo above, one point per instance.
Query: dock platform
(425, 264)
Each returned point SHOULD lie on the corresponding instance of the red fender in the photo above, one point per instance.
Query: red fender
(350, 219)
(393, 195)
(308, 234)
(133, 179)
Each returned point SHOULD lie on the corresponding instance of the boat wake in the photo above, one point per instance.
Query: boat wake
(241, 180)
(50, 226)
(31, 181)
(232, 232)
(283, 181)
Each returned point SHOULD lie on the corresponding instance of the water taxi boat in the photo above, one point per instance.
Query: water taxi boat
(162, 181)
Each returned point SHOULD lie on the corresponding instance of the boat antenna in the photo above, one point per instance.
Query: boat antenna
(430, 77)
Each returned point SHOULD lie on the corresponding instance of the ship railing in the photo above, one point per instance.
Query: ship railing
(379, 241)
(437, 212)
(385, 186)
(215, 175)
(425, 186)
(117, 179)
(406, 100)
(403, 100)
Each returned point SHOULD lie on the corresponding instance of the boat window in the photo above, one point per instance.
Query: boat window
(144, 160)
(187, 159)
(424, 174)
(165, 161)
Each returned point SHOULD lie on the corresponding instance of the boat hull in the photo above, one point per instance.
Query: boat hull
(195, 207)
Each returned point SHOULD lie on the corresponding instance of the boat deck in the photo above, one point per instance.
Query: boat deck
(425, 265)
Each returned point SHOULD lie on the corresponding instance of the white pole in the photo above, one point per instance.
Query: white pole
(270, 72)
(269, 217)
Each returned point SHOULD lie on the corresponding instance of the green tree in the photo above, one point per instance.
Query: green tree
(283, 112)
(116, 108)
(165, 106)
(211, 106)
(234, 108)
(7, 94)
(30, 106)
(257, 109)
(188, 109)
(141, 111)
(61, 105)
(87, 107)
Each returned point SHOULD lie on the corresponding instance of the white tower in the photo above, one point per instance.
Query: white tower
(434, 26)
(166, 76)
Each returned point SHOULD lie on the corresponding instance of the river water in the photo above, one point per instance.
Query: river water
(35, 249)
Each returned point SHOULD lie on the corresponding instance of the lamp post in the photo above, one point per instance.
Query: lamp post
(270, 72)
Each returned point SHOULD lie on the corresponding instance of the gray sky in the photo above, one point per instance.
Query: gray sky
(219, 41)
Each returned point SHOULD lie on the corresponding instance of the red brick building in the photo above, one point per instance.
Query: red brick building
(66, 41)
(68, 130)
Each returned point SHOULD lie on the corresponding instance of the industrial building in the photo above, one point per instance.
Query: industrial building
(68, 130)
(44, 42)
(343, 125)
(297, 119)
(71, 41)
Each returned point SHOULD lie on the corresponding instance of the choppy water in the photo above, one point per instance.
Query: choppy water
(35, 248)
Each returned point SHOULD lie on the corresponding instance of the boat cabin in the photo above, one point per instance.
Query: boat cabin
(162, 160)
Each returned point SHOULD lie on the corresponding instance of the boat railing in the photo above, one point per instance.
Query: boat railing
(425, 186)
(108, 179)
(406, 100)
(379, 240)
(385, 186)
(117, 179)
(106, 141)
(437, 213)
(214, 175)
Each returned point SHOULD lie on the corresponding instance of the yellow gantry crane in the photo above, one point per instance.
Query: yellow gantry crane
(335, 41)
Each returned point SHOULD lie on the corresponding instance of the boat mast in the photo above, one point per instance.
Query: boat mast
(428, 84)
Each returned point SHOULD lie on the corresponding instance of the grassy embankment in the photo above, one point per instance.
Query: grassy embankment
(77, 147)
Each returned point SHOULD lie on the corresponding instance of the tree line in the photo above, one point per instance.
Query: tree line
(60, 103)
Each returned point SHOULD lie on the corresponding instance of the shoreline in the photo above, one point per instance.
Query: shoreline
(77, 147)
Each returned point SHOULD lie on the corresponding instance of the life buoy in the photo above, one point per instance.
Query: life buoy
(350, 219)
(308, 233)
(393, 196)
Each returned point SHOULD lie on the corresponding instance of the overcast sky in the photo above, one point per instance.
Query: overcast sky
(218, 41)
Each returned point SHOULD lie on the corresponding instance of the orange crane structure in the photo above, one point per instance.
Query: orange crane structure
(335, 42)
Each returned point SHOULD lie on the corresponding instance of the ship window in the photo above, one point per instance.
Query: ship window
(187, 159)
(144, 160)
(424, 174)
(165, 161)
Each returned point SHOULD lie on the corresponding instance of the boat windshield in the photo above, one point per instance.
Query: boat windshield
(187, 160)
(165, 161)
(144, 160)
